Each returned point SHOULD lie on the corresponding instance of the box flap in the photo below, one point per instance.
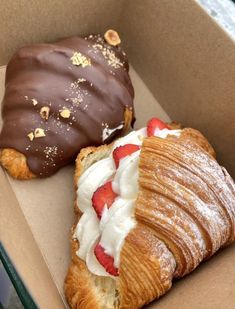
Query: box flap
(188, 62)
(20, 244)
(46, 21)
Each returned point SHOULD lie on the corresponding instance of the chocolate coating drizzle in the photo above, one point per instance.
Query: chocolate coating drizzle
(85, 86)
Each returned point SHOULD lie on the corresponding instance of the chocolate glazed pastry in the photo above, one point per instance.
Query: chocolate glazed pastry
(60, 98)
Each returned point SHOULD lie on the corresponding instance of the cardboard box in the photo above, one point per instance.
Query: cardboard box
(185, 70)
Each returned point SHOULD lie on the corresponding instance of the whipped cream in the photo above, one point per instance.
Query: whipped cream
(165, 132)
(94, 177)
(117, 221)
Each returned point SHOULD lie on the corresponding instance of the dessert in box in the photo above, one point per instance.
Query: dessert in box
(189, 73)
(151, 207)
(61, 97)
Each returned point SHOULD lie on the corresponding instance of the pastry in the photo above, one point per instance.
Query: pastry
(60, 98)
(150, 207)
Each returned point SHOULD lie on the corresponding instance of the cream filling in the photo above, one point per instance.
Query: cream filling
(165, 132)
(118, 220)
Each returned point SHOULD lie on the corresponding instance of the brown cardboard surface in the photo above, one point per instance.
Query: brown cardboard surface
(24, 22)
(162, 39)
(188, 62)
(210, 286)
(23, 250)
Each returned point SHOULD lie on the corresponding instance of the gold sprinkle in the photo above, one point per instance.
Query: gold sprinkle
(65, 113)
(79, 59)
(76, 83)
(35, 102)
(112, 37)
(77, 100)
(31, 136)
(44, 112)
(38, 132)
(51, 152)
(109, 55)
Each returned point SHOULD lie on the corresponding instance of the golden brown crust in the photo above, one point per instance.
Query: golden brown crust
(184, 198)
(78, 283)
(87, 157)
(83, 289)
(174, 125)
(199, 139)
(128, 117)
(146, 269)
(15, 163)
(195, 135)
(178, 180)
(142, 269)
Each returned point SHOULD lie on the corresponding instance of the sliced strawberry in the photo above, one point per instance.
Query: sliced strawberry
(123, 151)
(153, 124)
(104, 195)
(105, 260)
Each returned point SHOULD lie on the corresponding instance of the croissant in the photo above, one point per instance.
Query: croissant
(177, 209)
(60, 98)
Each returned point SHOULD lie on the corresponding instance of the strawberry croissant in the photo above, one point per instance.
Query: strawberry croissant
(151, 207)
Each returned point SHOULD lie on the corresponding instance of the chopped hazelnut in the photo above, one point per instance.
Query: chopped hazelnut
(44, 112)
(35, 102)
(65, 113)
(79, 59)
(39, 133)
(112, 37)
(31, 136)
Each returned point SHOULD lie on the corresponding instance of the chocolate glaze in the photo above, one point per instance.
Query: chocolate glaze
(96, 95)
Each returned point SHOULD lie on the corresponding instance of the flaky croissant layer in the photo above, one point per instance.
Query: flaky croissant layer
(185, 212)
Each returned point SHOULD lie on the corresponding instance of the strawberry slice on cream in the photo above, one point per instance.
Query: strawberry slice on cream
(123, 151)
(155, 124)
(103, 196)
(105, 260)
(106, 195)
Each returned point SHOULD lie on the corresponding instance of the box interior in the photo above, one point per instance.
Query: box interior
(182, 60)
